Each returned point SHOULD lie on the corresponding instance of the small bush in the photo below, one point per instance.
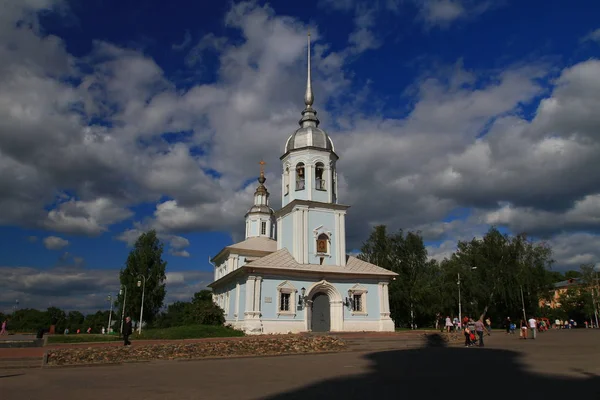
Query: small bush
(81, 338)
(174, 333)
(190, 332)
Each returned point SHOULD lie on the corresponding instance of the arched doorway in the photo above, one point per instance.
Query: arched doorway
(320, 315)
(335, 311)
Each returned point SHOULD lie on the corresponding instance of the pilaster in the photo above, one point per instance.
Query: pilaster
(249, 296)
(237, 302)
(279, 235)
(257, 294)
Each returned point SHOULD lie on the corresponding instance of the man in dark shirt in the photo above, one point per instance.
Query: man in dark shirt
(127, 330)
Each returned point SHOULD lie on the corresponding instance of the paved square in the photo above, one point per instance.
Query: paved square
(558, 363)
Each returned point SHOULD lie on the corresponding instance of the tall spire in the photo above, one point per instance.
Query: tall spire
(309, 115)
(308, 96)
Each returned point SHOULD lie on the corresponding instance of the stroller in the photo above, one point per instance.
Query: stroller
(473, 339)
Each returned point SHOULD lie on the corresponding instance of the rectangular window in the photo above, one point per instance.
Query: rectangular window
(263, 228)
(284, 302)
(357, 303)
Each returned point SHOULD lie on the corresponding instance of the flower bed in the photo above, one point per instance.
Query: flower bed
(170, 351)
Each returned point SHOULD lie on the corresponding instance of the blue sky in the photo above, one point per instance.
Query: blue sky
(448, 115)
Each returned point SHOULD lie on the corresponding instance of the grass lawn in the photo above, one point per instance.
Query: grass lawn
(177, 332)
(81, 338)
(418, 329)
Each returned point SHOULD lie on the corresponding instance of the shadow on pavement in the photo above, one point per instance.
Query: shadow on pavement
(437, 371)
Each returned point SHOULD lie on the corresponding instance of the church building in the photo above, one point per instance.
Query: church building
(292, 273)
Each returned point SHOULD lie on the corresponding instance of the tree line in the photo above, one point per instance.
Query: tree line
(200, 310)
(499, 275)
(144, 273)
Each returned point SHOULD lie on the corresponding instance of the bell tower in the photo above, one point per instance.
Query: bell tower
(311, 223)
(260, 218)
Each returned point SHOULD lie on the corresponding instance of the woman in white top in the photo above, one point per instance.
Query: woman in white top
(448, 324)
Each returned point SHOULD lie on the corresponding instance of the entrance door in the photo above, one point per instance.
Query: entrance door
(320, 318)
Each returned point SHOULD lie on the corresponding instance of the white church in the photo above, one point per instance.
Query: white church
(291, 273)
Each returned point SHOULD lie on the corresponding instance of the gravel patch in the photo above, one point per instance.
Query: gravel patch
(171, 351)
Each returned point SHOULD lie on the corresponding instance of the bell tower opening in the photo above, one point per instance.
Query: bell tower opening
(300, 176)
(320, 183)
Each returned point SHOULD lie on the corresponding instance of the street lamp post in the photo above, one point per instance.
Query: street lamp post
(596, 267)
(143, 284)
(110, 313)
(124, 293)
(523, 304)
(459, 304)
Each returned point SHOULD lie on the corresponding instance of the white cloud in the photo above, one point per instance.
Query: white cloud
(444, 12)
(86, 217)
(187, 39)
(55, 243)
(177, 244)
(593, 36)
(74, 288)
(405, 172)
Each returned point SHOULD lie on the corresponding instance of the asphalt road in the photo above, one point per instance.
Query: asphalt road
(563, 363)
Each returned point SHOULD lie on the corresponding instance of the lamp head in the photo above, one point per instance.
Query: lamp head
(303, 292)
(139, 283)
(350, 293)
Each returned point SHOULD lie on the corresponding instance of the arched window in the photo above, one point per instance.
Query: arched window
(286, 180)
(300, 176)
(322, 244)
(319, 172)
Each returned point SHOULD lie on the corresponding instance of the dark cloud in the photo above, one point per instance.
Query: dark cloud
(77, 288)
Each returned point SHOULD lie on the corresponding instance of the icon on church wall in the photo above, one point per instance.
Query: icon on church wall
(322, 246)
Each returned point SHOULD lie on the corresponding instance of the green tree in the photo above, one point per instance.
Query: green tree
(203, 295)
(414, 293)
(495, 269)
(201, 310)
(204, 311)
(56, 316)
(145, 259)
(572, 275)
(75, 320)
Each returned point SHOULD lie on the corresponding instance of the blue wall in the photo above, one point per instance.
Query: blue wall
(327, 220)
(320, 195)
(287, 232)
(269, 289)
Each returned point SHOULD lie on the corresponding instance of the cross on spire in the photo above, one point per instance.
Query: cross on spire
(262, 168)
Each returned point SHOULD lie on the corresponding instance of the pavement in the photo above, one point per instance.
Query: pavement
(37, 353)
(557, 363)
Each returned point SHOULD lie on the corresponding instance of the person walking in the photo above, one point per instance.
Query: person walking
(127, 330)
(448, 324)
(4, 331)
(523, 334)
(533, 327)
(479, 329)
(488, 325)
